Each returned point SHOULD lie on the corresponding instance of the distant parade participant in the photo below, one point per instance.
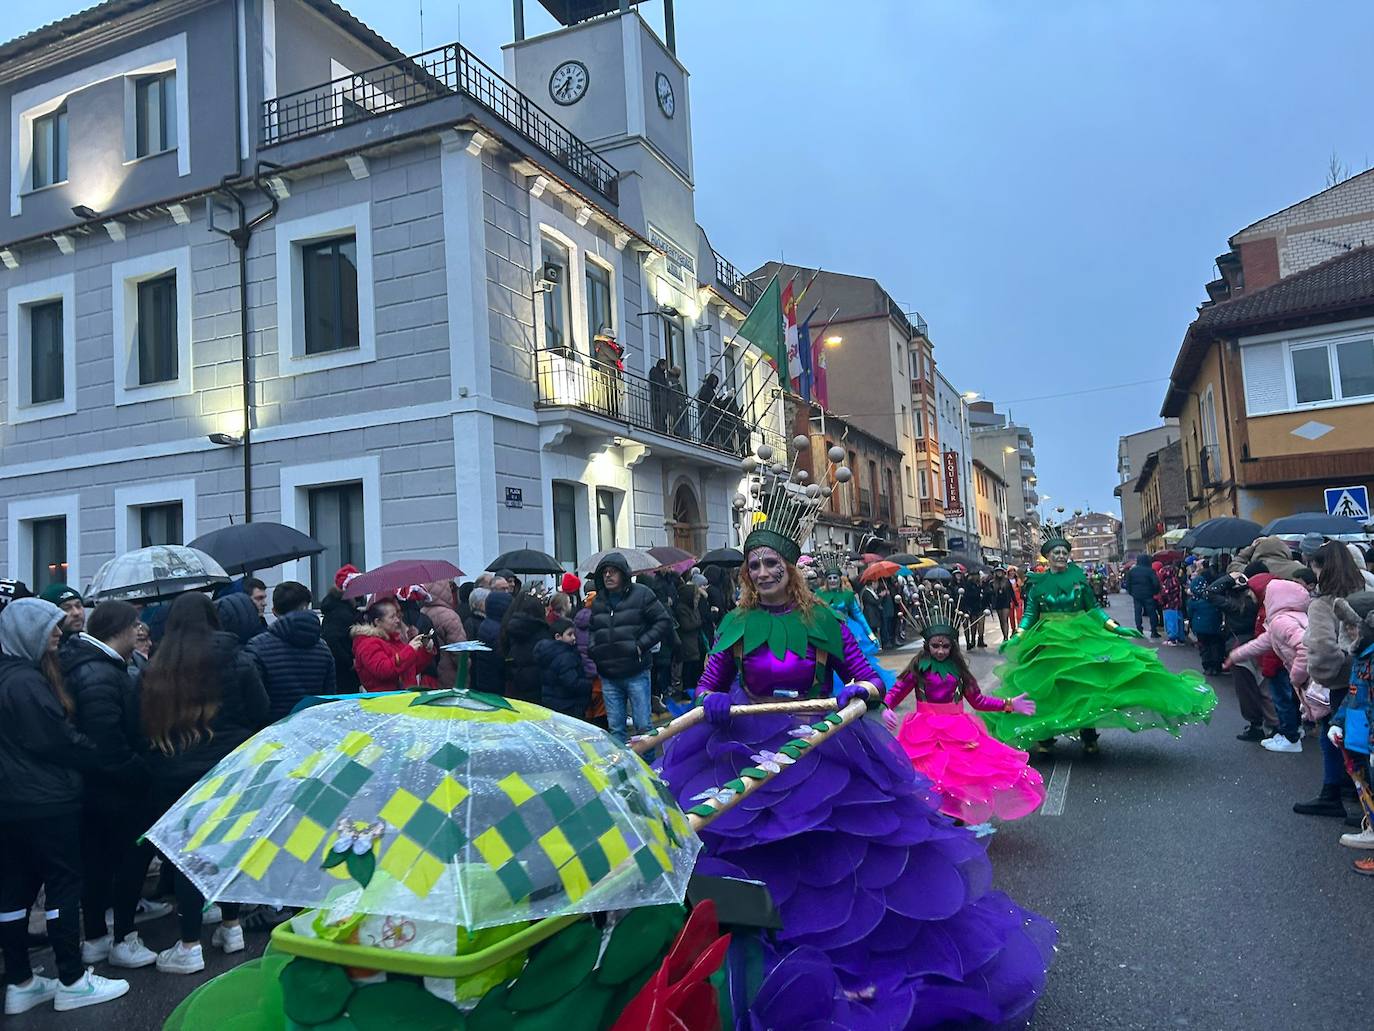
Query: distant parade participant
(842, 600)
(1073, 661)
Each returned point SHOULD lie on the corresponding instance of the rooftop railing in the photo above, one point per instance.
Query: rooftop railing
(737, 283)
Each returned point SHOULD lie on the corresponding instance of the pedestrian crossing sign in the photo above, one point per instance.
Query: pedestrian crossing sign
(1351, 502)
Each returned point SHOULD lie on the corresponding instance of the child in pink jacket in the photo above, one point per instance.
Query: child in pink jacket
(1285, 626)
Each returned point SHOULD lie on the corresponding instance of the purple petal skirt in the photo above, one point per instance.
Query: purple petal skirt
(888, 920)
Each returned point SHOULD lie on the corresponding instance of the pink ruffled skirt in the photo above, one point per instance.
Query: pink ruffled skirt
(977, 776)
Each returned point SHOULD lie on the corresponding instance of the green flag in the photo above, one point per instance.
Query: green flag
(763, 326)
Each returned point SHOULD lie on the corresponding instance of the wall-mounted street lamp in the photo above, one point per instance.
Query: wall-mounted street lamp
(85, 213)
(225, 440)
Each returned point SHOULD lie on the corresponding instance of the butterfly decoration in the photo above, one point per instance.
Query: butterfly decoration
(352, 849)
(773, 762)
(721, 796)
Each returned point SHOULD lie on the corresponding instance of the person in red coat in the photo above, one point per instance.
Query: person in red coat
(384, 659)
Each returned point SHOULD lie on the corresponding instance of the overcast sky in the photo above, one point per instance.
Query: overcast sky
(1046, 182)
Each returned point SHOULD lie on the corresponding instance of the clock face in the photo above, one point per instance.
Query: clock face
(568, 83)
(667, 103)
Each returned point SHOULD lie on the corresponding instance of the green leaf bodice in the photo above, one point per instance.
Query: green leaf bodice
(1065, 592)
(782, 632)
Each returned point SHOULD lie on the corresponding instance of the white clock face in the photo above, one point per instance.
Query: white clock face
(568, 83)
(667, 103)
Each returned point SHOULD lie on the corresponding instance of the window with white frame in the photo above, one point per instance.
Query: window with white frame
(146, 514)
(565, 524)
(557, 295)
(49, 544)
(44, 540)
(41, 361)
(1338, 370)
(50, 148)
(325, 306)
(155, 114)
(152, 321)
(160, 524)
(338, 522)
(600, 300)
(607, 517)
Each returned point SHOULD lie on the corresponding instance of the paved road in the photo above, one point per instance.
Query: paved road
(1187, 892)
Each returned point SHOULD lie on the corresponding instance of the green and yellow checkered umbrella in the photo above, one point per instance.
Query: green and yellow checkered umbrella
(453, 807)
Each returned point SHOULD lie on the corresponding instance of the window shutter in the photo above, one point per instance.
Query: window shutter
(1266, 384)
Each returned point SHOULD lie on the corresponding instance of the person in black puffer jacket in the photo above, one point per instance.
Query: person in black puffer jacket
(489, 668)
(96, 672)
(200, 698)
(627, 622)
(291, 657)
(565, 686)
(340, 616)
(524, 627)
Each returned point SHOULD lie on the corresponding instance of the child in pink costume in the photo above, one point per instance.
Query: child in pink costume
(977, 776)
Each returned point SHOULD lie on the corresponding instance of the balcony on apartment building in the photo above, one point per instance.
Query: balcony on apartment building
(599, 400)
(458, 84)
(737, 283)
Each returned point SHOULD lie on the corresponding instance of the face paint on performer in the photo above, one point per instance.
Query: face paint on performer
(832, 581)
(1059, 558)
(768, 573)
(939, 647)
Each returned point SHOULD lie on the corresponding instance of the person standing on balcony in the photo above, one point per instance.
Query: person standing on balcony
(627, 623)
(658, 395)
(608, 357)
(708, 411)
(678, 425)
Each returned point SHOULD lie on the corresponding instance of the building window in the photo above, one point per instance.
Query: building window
(329, 280)
(599, 314)
(1311, 375)
(50, 148)
(607, 510)
(155, 114)
(918, 423)
(160, 524)
(557, 301)
(923, 486)
(157, 329)
(49, 537)
(1338, 371)
(675, 344)
(1355, 368)
(46, 368)
(336, 521)
(565, 525)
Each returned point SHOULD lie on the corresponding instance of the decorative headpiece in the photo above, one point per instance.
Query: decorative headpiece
(830, 556)
(937, 615)
(1053, 535)
(780, 506)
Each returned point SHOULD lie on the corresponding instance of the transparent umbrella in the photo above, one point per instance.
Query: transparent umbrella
(162, 571)
(452, 807)
(639, 561)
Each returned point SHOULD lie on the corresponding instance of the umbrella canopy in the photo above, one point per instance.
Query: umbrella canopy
(906, 558)
(527, 560)
(879, 570)
(869, 557)
(1314, 522)
(390, 578)
(726, 557)
(639, 561)
(1174, 536)
(922, 563)
(450, 806)
(936, 573)
(670, 556)
(904, 571)
(1221, 532)
(162, 571)
(243, 547)
(963, 558)
(1167, 557)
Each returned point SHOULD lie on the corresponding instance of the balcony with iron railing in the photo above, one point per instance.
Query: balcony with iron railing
(445, 72)
(865, 508)
(737, 282)
(567, 379)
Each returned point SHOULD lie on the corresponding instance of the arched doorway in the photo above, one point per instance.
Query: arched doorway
(689, 531)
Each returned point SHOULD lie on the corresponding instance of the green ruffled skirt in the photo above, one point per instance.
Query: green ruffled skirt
(1080, 674)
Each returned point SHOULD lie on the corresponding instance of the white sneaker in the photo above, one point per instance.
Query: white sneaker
(181, 959)
(230, 939)
(96, 950)
(210, 915)
(89, 990)
(131, 953)
(1279, 743)
(1365, 839)
(38, 991)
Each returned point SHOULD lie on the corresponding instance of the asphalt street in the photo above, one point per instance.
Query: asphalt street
(1187, 892)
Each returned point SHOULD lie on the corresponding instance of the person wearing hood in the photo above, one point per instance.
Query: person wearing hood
(627, 623)
(291, 656)
(1240, 616)
(1361, 564)
(489, 667)
(69, 601)
(95, 669)
(42, 758)
(200, 698)
(339, 616)
(523, 627)
(1272, 552)
(565, 686)
(382, 655)
(442, 610)
(1142, 585)
(1284, 613)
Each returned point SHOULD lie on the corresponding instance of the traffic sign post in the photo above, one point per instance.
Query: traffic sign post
(1351, 502)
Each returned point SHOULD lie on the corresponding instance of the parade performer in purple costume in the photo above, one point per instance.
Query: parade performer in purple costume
(888, 920)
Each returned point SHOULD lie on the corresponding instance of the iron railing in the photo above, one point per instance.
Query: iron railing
(865, 503)
(567, 379)
(737, 283)
(443, 72)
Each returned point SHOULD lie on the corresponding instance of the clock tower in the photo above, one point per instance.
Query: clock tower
(609, 78)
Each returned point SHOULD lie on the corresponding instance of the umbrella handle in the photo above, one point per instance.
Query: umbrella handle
(753, 778)
(647, 742)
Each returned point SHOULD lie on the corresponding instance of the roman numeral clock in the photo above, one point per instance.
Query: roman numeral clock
(568, 83)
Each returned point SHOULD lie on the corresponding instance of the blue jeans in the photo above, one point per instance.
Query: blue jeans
(1173, 625)
(1285, 704)
(1143, 609)
(631, 692)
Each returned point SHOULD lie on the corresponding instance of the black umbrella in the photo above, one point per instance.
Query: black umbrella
(963, 558)
(1222, 533)
(243, 547)
(727, 557)
(526, 560)
(905, 558)
(1314, 522)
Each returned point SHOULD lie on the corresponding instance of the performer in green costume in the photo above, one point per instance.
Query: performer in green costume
(1080, 668)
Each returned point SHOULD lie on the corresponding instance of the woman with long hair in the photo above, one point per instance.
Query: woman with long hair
(200, 698)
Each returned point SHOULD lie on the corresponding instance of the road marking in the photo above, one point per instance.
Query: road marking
(1058, 791)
